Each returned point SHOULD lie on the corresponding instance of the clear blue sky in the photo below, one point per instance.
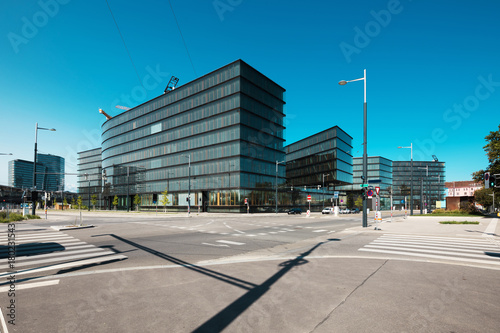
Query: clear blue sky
(433, 70)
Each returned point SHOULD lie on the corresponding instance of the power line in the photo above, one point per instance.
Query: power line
(178, 27)
(123, 40)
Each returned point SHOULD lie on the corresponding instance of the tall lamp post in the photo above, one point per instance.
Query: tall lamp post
(421, 196)
(87, 178)
(365, 156)
(411, 177)
(34, 165)
(324, 175)
(277, 184)
(189, 183)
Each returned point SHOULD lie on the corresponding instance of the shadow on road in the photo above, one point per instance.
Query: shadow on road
(202, 270)
(226, 316)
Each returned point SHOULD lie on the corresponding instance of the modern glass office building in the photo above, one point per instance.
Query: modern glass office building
(50, 173)
(379, 175)
(317, 165)
(217, 137)
(428, 183)
(90, 178)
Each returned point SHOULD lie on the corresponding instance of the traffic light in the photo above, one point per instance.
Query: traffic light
(486, 180)
(493, 181)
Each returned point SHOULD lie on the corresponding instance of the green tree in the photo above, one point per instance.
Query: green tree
(93, 200)
(484, 197)
(73, 202)
(164, 199)
(65, 202)
(115, 201)
(492, 150)
(137, 201)
(79, 202)
(358, 202)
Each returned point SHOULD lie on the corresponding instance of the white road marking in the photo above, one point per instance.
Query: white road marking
(97, 253)
(55, 254)
(230, 242)
(428, 251)
(241, 232)
(250, 235)
(30, 285)
(67, 265)
(322, 230)
(218, 245)
(433, 256)
(490, 229)
(4, 325)
(273, 232)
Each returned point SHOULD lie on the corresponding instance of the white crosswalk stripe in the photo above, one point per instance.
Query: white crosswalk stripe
(480, 251)
(47, 250)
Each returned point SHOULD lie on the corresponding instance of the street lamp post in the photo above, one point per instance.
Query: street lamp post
(421, 195)
(34, 164)
(324, 175)
(365, 156)
(189, 183)
(277, 184)
(411, 177)
(88, 194)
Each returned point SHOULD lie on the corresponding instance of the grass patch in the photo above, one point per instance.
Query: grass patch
(456, 212)
(14, 217)
(459, 222)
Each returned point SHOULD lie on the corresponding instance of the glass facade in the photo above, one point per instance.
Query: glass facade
(379, 174)
(218, 136)
(321, 159)
(428, 183)
(50, 173)
(90, 177)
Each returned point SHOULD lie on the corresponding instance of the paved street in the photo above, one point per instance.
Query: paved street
(251, 273)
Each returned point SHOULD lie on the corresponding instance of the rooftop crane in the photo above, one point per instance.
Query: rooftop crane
(108, 117)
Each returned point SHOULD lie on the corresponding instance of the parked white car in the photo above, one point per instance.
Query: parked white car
(327, 210)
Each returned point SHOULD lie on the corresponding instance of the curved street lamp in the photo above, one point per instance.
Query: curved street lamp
(365, 156)
(34, 162)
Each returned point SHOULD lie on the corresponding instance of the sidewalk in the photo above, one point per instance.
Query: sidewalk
(429, 225)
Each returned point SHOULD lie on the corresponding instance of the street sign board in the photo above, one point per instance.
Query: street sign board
(246, 201)
(363, 185)
(377, 190)
(336, 194)
(374, 181)
(309, 198)
(370, 194)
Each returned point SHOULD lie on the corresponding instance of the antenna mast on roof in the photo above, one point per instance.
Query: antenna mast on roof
(171, 84)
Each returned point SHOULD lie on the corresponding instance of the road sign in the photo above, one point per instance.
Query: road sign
(370, 187)
(377, 190)
(402, 201)
(370, 194)
(374, 181)
(309, 198)
(363, 185)
(336, 194)
(246, 201)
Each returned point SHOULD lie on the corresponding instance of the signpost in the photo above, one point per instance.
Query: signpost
(309, 198)
(369, 193)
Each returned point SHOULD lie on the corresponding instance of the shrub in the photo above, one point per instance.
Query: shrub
(469, 208)
(32, 217)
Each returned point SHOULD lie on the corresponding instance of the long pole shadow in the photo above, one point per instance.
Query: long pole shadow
(226, 316)
(202, 270)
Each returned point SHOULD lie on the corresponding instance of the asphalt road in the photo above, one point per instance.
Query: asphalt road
(249, 273)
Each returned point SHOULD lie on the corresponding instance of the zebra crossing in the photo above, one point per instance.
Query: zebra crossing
(42, 251)
(465, 250)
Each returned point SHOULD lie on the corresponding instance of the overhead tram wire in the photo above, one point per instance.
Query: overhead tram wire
(124, 44)
(185, 45)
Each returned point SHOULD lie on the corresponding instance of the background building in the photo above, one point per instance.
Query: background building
(322, 159)
(459, 193)
(428, 183)
(90, 180)
(50, 173)
(217, 137)
(379, 174)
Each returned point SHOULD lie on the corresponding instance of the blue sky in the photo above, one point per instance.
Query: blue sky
(433, 72)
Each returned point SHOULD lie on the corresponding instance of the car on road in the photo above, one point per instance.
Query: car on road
(345, 211)
(327, 210)
(294, 211)
(355, 211)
